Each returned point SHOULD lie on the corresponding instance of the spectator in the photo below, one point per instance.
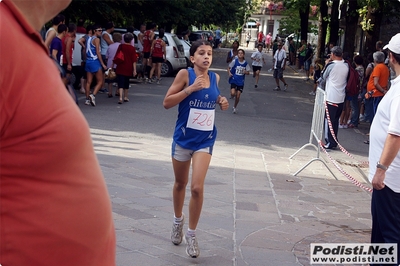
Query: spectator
(260, 38)
(56, 44)
(148, 39)
(328, 49)
(111, 51)
(279, 67)
(68, 43)
(248, 37)
(384, 154)
(158, 54)
(307, 61)
(292, 52)
(52, 31)
(105, 41)
(217, 37)
(80, 28)
(334, 79)
(94, 65)
(55, 208)
(378, 81)
(82, 41)
(366, 104)
(356, 100)
(302, 54)
(268, 40)
(127, 69)
(316, 75)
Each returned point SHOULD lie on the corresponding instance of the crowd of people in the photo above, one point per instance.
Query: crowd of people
(50, 212)
(99, 47)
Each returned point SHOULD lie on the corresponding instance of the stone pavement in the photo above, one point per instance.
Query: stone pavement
(255, 211)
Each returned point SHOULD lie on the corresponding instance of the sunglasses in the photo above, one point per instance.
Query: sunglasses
(98, 30)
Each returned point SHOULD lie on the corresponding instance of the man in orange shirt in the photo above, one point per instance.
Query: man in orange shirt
(54, 204)
(378, 81)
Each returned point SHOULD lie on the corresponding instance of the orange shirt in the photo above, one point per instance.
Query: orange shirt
(54, 204)
(381, 71)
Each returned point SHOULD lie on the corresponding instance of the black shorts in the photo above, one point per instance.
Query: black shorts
(65, 67)
(146, 54)
(236, 87)
(256, 68)
(123, 81)
(157, 59)
(278, 73)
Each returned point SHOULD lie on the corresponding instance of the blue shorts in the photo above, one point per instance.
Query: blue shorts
(92, 66)
(183, 155)
(307, 65)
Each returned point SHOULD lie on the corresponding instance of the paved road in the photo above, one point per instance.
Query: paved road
(255, 211)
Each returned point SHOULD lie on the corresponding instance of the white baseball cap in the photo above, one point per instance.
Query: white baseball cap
(394, 44)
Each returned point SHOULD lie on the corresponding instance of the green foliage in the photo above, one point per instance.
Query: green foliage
(163, 12)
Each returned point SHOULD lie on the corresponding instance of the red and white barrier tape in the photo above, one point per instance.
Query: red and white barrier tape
(363, 163)
(348, 176)
(336, 164)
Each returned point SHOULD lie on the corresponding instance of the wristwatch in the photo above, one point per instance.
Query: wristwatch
(381, 166)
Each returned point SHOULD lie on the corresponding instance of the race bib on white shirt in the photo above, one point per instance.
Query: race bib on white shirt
(200, 119)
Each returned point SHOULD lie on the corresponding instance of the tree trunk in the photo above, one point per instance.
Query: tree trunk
(351, 28)
(304, 14)
(372, 36)
(334, 25)
(323, 25)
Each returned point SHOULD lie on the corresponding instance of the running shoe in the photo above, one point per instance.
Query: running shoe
(192, 248)
(87, 102)
(277, 89)
(177, 231)
(92, 99)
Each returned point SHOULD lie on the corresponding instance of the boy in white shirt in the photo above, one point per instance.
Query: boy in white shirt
(258, 60)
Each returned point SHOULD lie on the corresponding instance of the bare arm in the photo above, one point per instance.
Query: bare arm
(50, 37)
(54, 54)
(390, 150)
(97, 44)
(82, 42)
(378, 86)
(179, 90)
(68, 52)
(106, 37)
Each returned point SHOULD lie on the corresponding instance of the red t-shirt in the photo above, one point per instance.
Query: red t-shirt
(64, 49)
(158, 48)
(146, 41)
(126, 68)
(54, 204)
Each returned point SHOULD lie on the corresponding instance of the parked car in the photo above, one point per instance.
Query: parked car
(210, 36)
(186, 47)
(197, 35)
(175, 54)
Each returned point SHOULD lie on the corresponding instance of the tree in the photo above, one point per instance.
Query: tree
(349, 8)
(323, 25)
(334, 22)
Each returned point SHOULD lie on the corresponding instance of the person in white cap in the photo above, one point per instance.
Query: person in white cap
(384, 159)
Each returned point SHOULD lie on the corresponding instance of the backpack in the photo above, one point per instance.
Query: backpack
(353, 81)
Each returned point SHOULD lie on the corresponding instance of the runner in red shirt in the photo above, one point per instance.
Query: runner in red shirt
(148, 38)
(158, 50)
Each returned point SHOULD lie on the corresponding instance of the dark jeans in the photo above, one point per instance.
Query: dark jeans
(385, 210)
(334, 110)
(368, 110)
(355, 110)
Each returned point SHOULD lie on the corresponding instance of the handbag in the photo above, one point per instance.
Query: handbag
(119, 57)
(110, 74)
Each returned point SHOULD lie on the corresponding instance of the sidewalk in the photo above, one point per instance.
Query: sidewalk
(255, 211)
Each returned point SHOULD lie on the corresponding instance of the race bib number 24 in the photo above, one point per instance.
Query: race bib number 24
(201, 119)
